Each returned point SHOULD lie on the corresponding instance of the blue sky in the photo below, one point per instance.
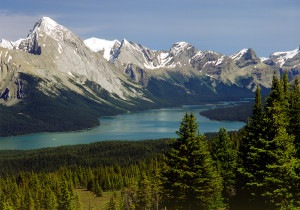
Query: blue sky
(224, 26)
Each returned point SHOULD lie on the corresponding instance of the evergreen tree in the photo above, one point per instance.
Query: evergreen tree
(285, 85)
(65, 199)
(225, 154)
(50, 200)
(112, 205)
(250, 152)
(97, 189)
(156, 185)
(190, 179)
(268, 170)
(276, 107)
(281, 179)
(29, 202)
(294, 126)
(5, 203)
(257, 116)
(129, 195)
(144, 193)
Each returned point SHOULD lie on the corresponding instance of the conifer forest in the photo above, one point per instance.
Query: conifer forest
(257, 167)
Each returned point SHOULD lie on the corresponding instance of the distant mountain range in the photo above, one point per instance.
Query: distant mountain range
(53, 80)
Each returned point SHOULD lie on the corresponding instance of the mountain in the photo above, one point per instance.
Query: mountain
(53, 53)
(285, 59)
(243, 69)
(53, 80)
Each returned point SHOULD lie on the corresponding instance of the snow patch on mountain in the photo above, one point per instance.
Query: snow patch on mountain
(164, 58)
(97, 45)
(263, 59)
(9, 44)
(282, 57)
(6, 44)
(198, 55)
(239, 54)
(179, 47)
(9, 58)
(220, 60)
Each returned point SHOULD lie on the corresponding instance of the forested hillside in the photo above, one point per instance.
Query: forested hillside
(255, 168)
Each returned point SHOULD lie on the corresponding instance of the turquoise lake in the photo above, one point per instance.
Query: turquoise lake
(150, 124)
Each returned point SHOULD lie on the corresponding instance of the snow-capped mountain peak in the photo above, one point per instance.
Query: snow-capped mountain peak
(239, 54)
(46, 25)
(47, 22)
(282, 57)
(178, 47)
(125, 42)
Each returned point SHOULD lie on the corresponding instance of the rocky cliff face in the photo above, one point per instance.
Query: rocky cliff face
(61, 60)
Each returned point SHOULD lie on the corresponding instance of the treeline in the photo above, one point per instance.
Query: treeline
(106, 153)
(55, 190)
(239, 112)
(38, 191)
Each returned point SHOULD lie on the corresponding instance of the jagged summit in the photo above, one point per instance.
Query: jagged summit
(125, 42)
(239, 54)
(46, 25)
(179, 47)
(46, 22)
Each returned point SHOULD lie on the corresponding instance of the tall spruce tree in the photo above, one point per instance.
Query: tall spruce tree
(144, 193)
(285, 85)
(224, 153)
(294, 126)
(190, 179)
(252, 156)
(50, 200)
(269, 168)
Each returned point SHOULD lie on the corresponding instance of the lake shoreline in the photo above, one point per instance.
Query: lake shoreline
(138, 125)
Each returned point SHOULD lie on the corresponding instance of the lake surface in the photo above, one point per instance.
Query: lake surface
(150, 124)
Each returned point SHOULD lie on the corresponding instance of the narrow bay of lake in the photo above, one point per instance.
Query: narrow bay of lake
(150, 124)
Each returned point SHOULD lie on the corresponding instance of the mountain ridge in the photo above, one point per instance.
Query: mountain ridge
(55, 73)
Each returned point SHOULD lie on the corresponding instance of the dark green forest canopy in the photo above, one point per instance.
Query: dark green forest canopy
(97, 154)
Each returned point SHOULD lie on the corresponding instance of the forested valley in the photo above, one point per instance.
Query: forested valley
(256, 167)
